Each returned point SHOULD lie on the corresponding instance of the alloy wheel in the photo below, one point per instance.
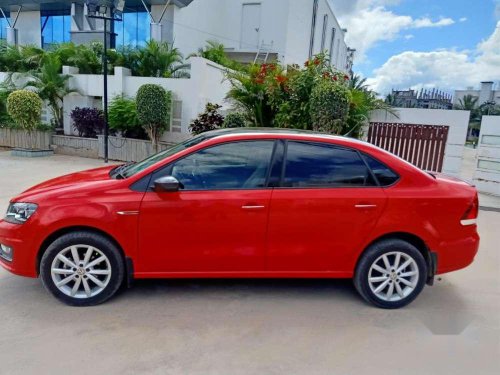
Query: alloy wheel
(81, 271)
(393, 276)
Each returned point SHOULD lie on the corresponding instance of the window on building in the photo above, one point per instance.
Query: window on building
(322, 165)
(313, 27)
(176, 121)
(55, 27)
(134, 30)
(3, 28)
(332, 45)
(323, 34)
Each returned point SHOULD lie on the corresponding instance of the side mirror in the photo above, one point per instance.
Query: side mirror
(167, 184)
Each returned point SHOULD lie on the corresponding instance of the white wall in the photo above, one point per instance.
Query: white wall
(207, 84)
(487, 173)
(458, 122)
(284, 23)
(28, 26)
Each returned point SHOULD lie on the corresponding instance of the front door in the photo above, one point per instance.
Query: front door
(217, 222)
(250, 26)
(327, 205)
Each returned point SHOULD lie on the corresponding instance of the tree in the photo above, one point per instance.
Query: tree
(153, 111)
(358, 83)
(83, 57)
(51, 85)
(467, 103)
(25, 108)
(160, 59)
(329, 106)
(20, 59)
(250, 95)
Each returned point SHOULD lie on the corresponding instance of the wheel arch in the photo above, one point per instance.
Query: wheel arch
(412, 239)
(62, 231)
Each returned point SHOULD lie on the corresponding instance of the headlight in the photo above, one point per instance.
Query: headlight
(18, 212)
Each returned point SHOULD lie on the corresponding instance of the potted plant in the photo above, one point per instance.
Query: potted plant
(25, 109)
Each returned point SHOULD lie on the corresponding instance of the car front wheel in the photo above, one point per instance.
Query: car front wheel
(82, 269)
(391, 274)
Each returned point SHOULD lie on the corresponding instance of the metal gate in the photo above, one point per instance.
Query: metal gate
(421, 145)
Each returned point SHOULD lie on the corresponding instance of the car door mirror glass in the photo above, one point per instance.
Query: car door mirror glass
(167, 184)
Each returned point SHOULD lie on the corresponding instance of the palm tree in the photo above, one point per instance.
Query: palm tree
(358, 83)
(161, 60)
(467, 103)
(20, 59)
(84, 58)
(363, 102)
(50, 85)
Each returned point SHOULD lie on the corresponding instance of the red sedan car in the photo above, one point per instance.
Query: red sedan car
(245, 203)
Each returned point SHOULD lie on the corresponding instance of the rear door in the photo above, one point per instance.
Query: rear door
(326, 206)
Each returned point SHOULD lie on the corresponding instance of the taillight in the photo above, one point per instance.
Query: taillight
(470, 216)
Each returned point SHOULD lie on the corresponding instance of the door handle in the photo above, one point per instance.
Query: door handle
(365, 206)
(252, 207)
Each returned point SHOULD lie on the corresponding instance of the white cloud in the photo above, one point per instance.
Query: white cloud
(427, 22)
(369, 22)
(409, 36)
(463, 19)
(446, 69)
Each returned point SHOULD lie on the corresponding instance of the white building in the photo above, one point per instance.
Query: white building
(289, 30)
(486, 93)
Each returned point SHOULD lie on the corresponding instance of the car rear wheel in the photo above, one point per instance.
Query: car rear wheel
(391, 274)
(82, 269)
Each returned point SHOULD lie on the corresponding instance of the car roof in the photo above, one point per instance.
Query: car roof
(307, 134)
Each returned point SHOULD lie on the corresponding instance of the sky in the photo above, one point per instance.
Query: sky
(444, 44)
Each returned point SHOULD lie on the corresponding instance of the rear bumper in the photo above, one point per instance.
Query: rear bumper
(457, 254)
(24, 251)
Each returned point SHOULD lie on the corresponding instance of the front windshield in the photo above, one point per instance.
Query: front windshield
(133, 169)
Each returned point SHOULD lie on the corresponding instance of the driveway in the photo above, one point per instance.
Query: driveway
(248, 327)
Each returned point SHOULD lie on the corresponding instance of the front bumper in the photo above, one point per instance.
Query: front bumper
(19, 238)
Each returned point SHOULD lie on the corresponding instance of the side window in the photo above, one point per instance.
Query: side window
(384, 174)
(236, 165)
(324, 165)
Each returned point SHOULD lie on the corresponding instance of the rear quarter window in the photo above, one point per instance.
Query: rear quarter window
(384, 175)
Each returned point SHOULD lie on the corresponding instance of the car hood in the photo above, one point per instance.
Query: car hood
(91, 175)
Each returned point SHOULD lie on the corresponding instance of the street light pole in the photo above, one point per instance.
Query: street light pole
(105, 97)
(100, 10)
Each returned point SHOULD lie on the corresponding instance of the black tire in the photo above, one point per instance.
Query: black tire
(97, 241)
(371, 255)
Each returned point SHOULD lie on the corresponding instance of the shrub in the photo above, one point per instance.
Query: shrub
(153, 111)
(215, 51)
(234, 120)
(88, 122)
(211, 119)
(25, 108)
(329, 106)
(122, 117)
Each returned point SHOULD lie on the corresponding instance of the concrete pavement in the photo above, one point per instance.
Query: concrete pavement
(248, 326)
